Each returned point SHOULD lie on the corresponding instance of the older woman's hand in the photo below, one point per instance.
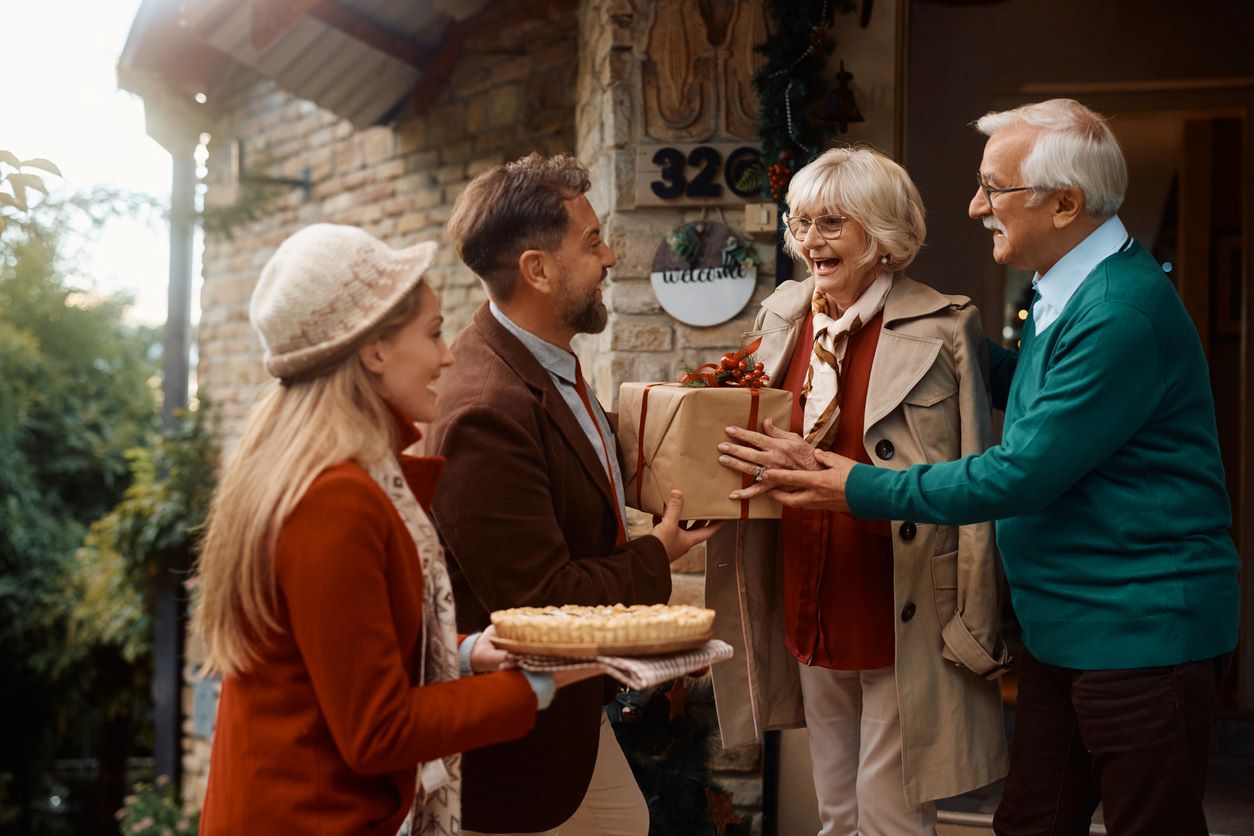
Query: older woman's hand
(775, 448)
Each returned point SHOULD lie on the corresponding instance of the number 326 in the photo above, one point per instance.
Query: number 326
(708, 161)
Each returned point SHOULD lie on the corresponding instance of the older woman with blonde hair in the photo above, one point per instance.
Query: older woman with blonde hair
(892, 624)
(326, 603)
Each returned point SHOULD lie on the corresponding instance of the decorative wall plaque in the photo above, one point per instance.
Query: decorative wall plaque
(704, 273)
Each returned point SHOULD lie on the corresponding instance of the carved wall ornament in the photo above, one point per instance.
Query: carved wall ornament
(679, 75)
(697, 69)
(749, 28)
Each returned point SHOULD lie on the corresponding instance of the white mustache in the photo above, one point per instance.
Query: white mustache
(994, 225)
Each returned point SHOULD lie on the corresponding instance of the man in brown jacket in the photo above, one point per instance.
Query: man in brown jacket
(531, 506)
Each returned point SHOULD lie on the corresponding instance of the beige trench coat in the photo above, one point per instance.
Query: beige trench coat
(928, 399)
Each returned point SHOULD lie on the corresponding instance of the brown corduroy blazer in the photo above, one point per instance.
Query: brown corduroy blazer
(527, 516)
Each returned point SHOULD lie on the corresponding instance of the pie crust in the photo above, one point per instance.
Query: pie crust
(617, 624)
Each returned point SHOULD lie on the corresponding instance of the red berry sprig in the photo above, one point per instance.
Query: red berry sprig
(736, 368)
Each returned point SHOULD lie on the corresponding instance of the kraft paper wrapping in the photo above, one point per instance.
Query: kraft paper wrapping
(683, 427)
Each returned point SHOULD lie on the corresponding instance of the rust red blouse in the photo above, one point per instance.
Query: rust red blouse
(838, 570)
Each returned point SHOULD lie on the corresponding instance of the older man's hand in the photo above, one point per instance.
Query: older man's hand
(822, 489)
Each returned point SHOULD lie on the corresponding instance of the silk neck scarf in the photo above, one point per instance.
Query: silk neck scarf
(831, 337)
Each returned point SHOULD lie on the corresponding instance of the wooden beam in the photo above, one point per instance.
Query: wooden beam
(436, 73)
(270, 18)
(358, 26)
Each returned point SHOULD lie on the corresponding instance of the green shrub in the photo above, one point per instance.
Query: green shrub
(155, 810)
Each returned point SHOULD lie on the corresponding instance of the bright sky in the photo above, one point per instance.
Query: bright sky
(60, 101)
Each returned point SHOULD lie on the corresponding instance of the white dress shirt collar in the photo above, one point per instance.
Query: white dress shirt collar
(1062, 280)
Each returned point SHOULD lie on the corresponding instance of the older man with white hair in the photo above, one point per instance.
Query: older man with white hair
(1107, 488)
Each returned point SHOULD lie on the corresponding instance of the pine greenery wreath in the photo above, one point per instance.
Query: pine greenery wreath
(796, 54)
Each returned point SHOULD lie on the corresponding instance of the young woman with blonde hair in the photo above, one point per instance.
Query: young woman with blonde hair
(326, 602)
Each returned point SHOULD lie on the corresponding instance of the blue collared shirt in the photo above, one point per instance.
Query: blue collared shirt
(1062, 280)
(560, 364)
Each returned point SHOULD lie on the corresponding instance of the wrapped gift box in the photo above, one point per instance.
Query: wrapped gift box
(677, 446)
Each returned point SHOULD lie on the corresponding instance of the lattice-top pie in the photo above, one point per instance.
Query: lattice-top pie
(604, 625)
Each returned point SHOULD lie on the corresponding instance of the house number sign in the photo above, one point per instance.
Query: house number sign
(704, 174)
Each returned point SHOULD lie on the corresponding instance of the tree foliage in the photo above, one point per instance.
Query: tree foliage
(152, 529)
(16, 180)
(77, 390)
(79, 434)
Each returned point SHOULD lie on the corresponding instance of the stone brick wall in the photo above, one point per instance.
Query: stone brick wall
(641, 342)
(510, 94)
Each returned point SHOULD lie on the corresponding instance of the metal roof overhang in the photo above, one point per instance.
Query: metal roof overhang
(360, 59)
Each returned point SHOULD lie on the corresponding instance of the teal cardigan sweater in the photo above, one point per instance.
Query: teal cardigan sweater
(1107, 487)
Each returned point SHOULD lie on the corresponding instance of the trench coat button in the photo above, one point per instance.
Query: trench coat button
(907, 531)
(907, 612)
(884, 449)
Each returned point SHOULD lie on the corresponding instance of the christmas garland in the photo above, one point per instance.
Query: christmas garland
(795, 55)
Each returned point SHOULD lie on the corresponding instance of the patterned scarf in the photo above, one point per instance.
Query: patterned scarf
(437, 808)
(831, 337)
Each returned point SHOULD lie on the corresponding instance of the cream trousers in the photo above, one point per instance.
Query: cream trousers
(613, 805)
(855, 748)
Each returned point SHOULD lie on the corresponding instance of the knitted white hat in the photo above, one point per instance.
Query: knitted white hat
(325, 287)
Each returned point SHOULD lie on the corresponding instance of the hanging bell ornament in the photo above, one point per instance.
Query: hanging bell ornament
(840, 108)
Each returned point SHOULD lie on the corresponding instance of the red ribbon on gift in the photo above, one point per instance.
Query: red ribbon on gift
(733, 371)
(746, 480)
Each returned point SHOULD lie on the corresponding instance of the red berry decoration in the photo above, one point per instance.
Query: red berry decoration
(779, 175)
(734, 369)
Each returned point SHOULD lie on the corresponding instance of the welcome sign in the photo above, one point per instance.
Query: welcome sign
(704, 273)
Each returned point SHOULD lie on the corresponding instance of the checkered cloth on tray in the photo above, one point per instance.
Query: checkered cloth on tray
(637, 672)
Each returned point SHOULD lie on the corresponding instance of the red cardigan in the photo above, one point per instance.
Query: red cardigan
(325, 733)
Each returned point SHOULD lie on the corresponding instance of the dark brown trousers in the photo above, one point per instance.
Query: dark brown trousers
(1135, 740)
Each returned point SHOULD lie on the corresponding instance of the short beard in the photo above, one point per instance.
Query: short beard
(585, 315)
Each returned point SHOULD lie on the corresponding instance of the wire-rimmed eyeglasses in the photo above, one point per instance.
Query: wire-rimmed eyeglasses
(989, 191)
(829, 227)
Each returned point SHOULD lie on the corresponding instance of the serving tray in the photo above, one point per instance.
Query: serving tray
(588, 650)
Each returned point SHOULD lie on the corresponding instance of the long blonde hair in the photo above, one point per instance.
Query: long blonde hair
(300, 427)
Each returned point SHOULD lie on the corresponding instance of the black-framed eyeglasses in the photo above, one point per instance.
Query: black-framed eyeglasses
(989, 191)
(829, 227)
